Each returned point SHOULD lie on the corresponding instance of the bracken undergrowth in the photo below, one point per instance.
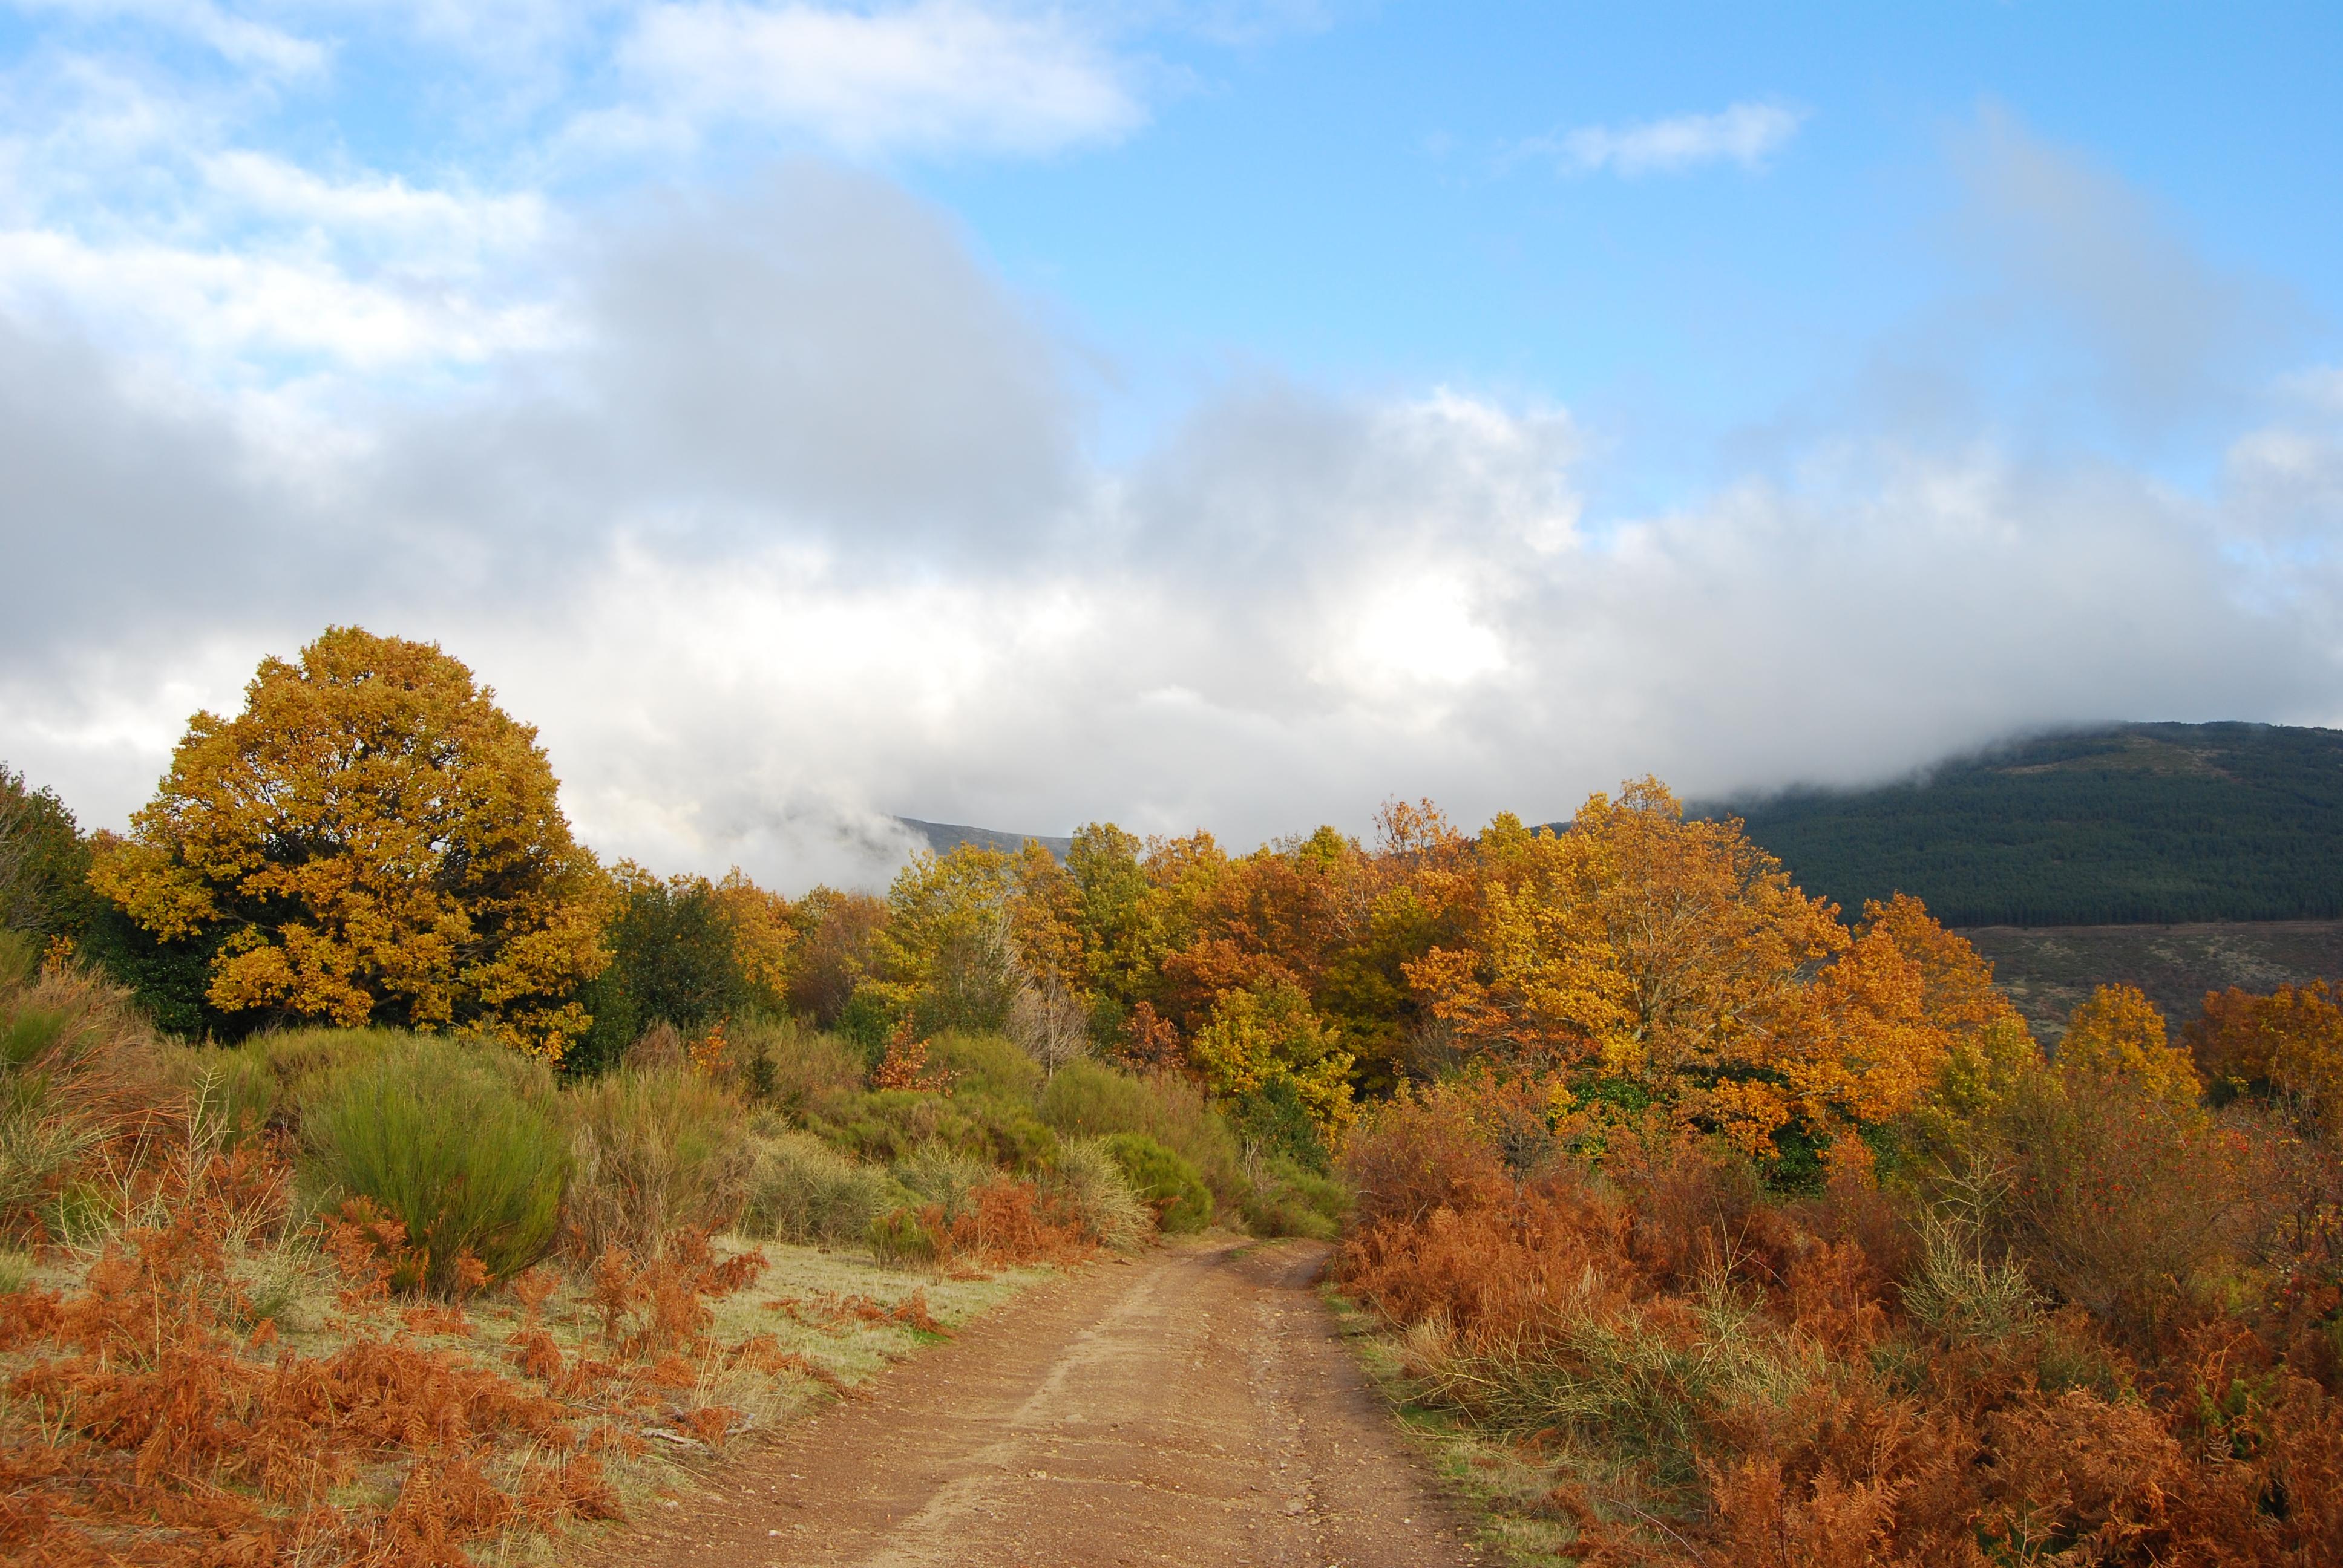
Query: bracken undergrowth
(1708, 1376)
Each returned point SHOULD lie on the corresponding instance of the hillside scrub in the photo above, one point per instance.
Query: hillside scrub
(1099, 1197)
(1161, 1179)
(802, 1189)
(1088, 1098)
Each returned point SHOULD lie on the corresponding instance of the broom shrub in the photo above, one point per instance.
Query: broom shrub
(1162, 1179)
(803, 1190)
(459, 1140)
(659, 1152)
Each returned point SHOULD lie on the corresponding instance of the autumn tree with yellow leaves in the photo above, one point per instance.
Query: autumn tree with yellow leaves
(2117, 1033)
(372, 839)
(2287, 1044)
(1657, 960)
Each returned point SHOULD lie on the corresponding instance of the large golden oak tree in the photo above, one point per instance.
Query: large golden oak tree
(371, 841)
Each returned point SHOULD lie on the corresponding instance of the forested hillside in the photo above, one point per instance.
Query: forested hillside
(2134, 822)
(943, 838)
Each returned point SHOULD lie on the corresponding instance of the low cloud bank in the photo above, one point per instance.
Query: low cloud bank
(792, 525)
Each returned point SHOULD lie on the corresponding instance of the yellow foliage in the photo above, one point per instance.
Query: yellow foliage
(2289, 1043)
(373, 840)
(2118, 1034)
(762, 930)
(1674, 953)
(1254, 1038)
(1859, 1046)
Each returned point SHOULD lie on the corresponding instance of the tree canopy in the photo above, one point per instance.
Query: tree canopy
(371, 840)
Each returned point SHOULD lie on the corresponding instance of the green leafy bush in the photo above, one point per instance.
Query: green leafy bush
(1287, 1199)
(1163, 1179)
(889, 1124)
(804, 1190)
(457, 1139)
(987, 1064)
(1274, 1120)
(658, 1151)
(1089, 1100)
(866, 1021)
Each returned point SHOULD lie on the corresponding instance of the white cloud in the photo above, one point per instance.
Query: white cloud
(433, 228)
(2087, 269)
(237, 39)
(778, 515)
(210, 305)
(1746, 133)
(934, 75)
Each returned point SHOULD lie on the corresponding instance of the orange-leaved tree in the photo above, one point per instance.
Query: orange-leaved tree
(2288, 1043)
(1642, 947)
(371, 841)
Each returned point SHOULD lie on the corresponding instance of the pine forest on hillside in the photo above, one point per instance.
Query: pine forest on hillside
(2135, 822)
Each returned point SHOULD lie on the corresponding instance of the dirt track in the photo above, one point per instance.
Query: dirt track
(1194, 1407)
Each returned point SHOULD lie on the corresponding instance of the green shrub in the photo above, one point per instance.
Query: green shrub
(804, 1190)
(457, 1139)
(1273, 1121)
(40, 1139)
(889, 1124)
(944, 1177)
(1089, 1100)
(78, 1064)
(263, 1082)
(900, 1236)
(791, 1068)
(658, 1151)
(1163, 1179)
(20, 957)
(33, 1031)
(987, 1064)
(1091, 1184)
(1288, 1199)
(39, 1148)
(866, 1021)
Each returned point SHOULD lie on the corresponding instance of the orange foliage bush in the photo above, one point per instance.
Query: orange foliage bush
(159, 1425)
(161, 1431)
(1775, 1405)
(1418, 1154)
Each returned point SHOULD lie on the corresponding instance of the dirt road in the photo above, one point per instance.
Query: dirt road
(1192, 1407)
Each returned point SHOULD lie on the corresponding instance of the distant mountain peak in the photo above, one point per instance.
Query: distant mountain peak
(945, 837)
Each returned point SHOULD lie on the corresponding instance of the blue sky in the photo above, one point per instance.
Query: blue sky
(1221, 413)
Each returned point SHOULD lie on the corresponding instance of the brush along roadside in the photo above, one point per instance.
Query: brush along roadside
(259, 1306)
(1650, 1359)
(230, 1385)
